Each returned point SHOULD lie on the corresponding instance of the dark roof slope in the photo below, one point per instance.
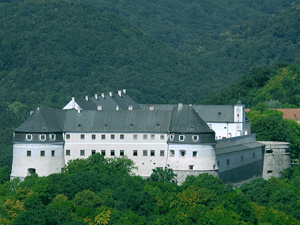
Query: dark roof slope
(186, 120)
(43, 120)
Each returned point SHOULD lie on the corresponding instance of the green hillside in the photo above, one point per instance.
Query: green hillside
(52, 50)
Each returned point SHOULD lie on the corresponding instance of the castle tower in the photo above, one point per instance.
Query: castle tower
(191, 144)
(38, 145)
(239, 119)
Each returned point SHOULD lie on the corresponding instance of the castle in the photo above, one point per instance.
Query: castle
(190, 139)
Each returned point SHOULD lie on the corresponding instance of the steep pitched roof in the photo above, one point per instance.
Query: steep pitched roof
(43, 120)
(186, 120)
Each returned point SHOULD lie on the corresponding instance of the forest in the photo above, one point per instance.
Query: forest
(103, 191)
(199, 52)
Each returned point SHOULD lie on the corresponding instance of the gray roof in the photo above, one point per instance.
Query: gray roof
(184, 120)
(209, 113)
(109, 102)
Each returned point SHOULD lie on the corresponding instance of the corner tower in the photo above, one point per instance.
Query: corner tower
(191, 144)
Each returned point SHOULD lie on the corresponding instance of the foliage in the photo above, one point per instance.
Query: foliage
(163, 175)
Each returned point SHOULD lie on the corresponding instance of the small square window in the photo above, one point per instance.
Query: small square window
(145, 152)
(191, 167)
(93, 152)
(112, 136)
(93, 136)
(181, 137)
(135, 136)
(152, 137)
(82, 152)
(112, 152)
(121, 136)
(162, 153)
(42, 153)
(172, 153)
(68, 152)
(162, 137)
(103, 152)
(172, 137)
(28, 137)
(152, 153)
(242, 158)
(121, 152)
(43, 137)
(145, 136)
(81, 136)
(228, 162)
(195, 154)
(135, 152)
(53, 153)
(28, 153)
(182, 153)
(52, 137)
(103, 136)
(195, 137)
(67, 136)
(253, 155)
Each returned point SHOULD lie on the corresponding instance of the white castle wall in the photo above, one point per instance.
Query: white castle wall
(43, 165)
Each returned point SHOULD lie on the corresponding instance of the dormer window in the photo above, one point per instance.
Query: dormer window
(172, 137)
(181, 137)
(28, 137)
(195, 137)
(52, 137)
(43, 137)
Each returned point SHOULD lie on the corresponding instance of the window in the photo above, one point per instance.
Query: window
(195, 154)
(191, 167)
(93, 152)
(53, 153)
(52, 137)
(135, 152)
(112, 136)
(28, 137)
(182, 153)
(43, 137)
(253, 155)
(242, 158)
(121, 136)
(152, 153)
(152, 137)
(112, 152)
(121, 152)
(28, 153)
(42, 153)
(67, 136)
(171, 137)
(103, 136)
(145, 136)
(172, 153)
(269, 151)
(269, 171)
(68, 152)
(195, 137)
(228, 162)
(145, 152)
(81, 136)
(82, 152)
(135, 136)
(218, 163)
(93, 136)
(103, 152)
(162, 137)
(162, 153)
(181, 137)
(229, 135)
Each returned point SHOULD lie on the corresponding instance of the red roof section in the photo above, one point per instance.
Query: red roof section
(292, 114)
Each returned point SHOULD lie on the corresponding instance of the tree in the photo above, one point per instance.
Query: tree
(163, 175)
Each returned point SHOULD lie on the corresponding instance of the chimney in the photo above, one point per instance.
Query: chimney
(87, 98)
(110, 94)
(117, 108)
(99, 107)
(130, 107)
(102, 95)
(124, 91)
(180, 105)
(96, 96)
(120, 93)
(151, 107)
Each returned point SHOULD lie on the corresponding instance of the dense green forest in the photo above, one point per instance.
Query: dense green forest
(102, 191)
